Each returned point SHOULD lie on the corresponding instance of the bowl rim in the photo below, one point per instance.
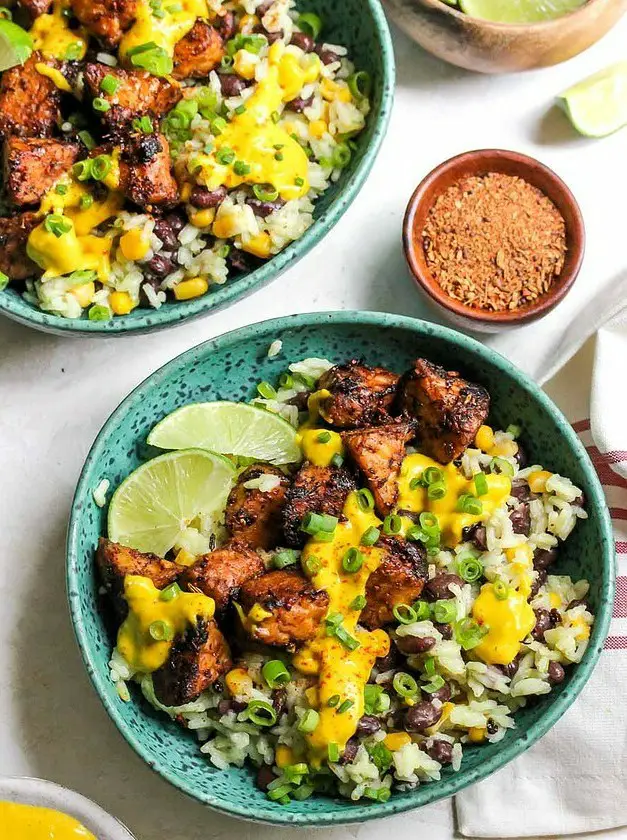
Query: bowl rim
(424, 794)
(12, 303)
(513, 28)
(427, 283)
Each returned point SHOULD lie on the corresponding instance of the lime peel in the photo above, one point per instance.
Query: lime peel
(597, 106)
(519, 11)
(16, 45)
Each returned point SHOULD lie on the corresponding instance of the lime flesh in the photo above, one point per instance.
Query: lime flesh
(16, 45)
(519, 11)
(229, 428)
(153, 506)
(597, 106)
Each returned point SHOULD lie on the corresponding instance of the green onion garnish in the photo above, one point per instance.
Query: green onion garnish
(4, 281)
(469, 568)
(404, 614)
(432, 475)
(333, 701)
(467, 503)
(337, 460)
(436, 491)
(417, 482)
(57, 224)
(349, 642)
(360, 84)
(308, 722)
(392, 524)
(266, 391)
(101, 166)
(501, 465)
(430, 666)
(286, 380)
(284, 558)
(109, 84)
(468, 633)
(444, 611)
(170, 592)
(217, 126)
(240, 168)
(429, 523)
(87, 140)
(435, 685)
(514, 430)
(365, 499)
(372, 697)
(345, 706)
(333, 752)
(82, 169)
(85, 202)
(312, 566)
(261, 713)
(266, 192)
(279, 156)
(405, 685)
(61, 189)
(299, 182)
(481, 484)
(275, 673)
(311, 24)
(370, 536)
(324, 437)
(353, 560)
(225, 156)
(152, 58)
(100, 104)
(99, 313)
(280, 794)
(422, 610)
(316, 523)
(358, 603)
(500, 588)
(303, 792)
(341, 156)
(161, 631)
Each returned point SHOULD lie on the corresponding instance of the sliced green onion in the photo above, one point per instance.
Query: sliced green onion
(333, 752)
(341, 156)
(241, 168)
(284, 558)
(417, 482)
(333, 701)
(405, 685)
(87, 140)
(444, 611)
(381, 756)
(99, 313)
(360, 84)
(311, 24)
(101, 166)
(430, 666)
(275, 673)
(161, 631)
(349, 642)
(251, 43)
(280, 794)
(4, 281)
(432, 475)
(151, 58)
(266, 192)
(275, 117)
(109, 84)
(372, 697)
(353, 560)
(225, 156)
(434, 685)
(295, 772)
(266, 391)
(345, 706)
(312, 566)
(100, 104)
(226, 62)
(57, 224)
(416, 534)
(82, 169)
(501, 589)
(324, 437)
(86, 201)
(279, 156)
(392, 524)
(469, 633)
(337, 460)
(286, 380)
(404, 614)
(170, 592)
(303, 792)
(436, 491)
(332, 622)
(73, 52)
(370, 536)
(309, 722)
(429, 523)
(501, 465)
(358, 603)
(467, 503)
(261, 713)
(299, 182)
(81, 276)
(61, 189)
(365, 499)
(217, 126)
(314, 523)
(143, 124)
(422, 610)
(469, 568)
(481, 484)
(514, 430)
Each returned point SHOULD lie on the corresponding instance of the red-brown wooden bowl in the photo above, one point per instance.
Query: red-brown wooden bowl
(481, 162)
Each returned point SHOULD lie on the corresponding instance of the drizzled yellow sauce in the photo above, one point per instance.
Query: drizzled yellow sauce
(28, 822)
(320, 446)
(271, 155)
(451, 521)
(509, 621)
(340, 671)
(145, 605)
(52, 35)
(165, 32)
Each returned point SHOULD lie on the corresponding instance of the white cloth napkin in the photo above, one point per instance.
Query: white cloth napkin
(575, 779)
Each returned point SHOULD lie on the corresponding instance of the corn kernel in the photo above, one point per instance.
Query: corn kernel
(185, 558)
(244, 64)
(186, 191)
(259, 245)
(504, 449)
(238, 682)
(257, 614)
(484, 439)
(583, 630)
(343, 94)
(284, 756)
(554, 600)
(537, 480)
(328, 89)
(445, 714)
(275, 52)
(312, 696)
(134, 245)
(203, 218)
(225, 225)
(121, 303)
(84, 293)
(291, 77)
(248, 23)
(395, 740)
(522, 554)
(476, 734)
(312, 66)
(188, 289)
(317, 128)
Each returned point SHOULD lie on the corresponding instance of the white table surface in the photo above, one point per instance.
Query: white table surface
(55, 393)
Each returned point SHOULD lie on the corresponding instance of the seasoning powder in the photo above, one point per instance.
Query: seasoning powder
(494, 242)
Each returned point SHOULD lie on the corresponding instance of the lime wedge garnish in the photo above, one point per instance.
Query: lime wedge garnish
(230, 428)
(156, 503)
(597, 106)
(16, 45)
(519, 11)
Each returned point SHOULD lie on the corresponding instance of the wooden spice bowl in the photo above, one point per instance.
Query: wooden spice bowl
(479, 163)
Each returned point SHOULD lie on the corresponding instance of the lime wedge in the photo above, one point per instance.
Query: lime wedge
(597, 106)
(153, 506)
(16, 45)
(230, 428)
(519, 11)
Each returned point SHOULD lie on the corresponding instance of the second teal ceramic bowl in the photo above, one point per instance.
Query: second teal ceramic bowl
(229, 367)
(359, 25)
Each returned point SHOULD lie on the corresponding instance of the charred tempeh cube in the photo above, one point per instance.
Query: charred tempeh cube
(314, 490)
(198, 53)
(146, 171)
(14, 232)
(29, 102)
(221, 573)
(399, 579)
(138, 93)
(108, 20)
(252, 515)
(32, 165)
(360, 395)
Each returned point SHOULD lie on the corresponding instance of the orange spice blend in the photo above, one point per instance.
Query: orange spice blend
(494, 242)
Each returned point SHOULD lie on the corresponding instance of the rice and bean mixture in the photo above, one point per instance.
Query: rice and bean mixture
(432, 697)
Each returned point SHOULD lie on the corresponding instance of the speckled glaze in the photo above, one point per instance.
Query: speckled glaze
(229, 367)
(359, 25)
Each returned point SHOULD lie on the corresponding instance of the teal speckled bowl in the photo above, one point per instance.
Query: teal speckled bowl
(359, 25)
(229, 367)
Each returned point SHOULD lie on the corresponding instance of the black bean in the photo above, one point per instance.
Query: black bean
(143, 298)
(160, 265)
(304, 41)
(231, 84)
(301, 400)
(272, 37)
(543, 623)
(203, 198)
(491, 727)
(226, 25)
(578, 603)
(264, 777)
(415, 644)
(224, 706)
(163, 230)
(437, 589)
(218, 686)
(176, 221)
(326, 56)
(543, 558)
(238, 705)
(521, 456)
(264, 208)
(510, 669)
(445, 629)
(476, 534)
(521, 520)
(368, 725)
(442, 694)
(556, 618)
(421, 716)
(350, 751)
(521, 491)
(263, 8)
(539, 582)
(556, 673)
(279, 700)
(439, 750)
(387, 662)
(240, 261)
(580, 501)
(299, 104)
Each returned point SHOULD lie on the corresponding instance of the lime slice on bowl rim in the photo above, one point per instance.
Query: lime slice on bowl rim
(16, 45)
(519, 11)
(230, 428)
(155, 503)
(597, 106)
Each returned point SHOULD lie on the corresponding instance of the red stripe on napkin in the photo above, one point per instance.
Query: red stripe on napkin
(581, 426)
(620, 602)
(616, 643)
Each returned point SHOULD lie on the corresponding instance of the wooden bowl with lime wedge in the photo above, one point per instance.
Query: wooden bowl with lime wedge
(469, 40)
